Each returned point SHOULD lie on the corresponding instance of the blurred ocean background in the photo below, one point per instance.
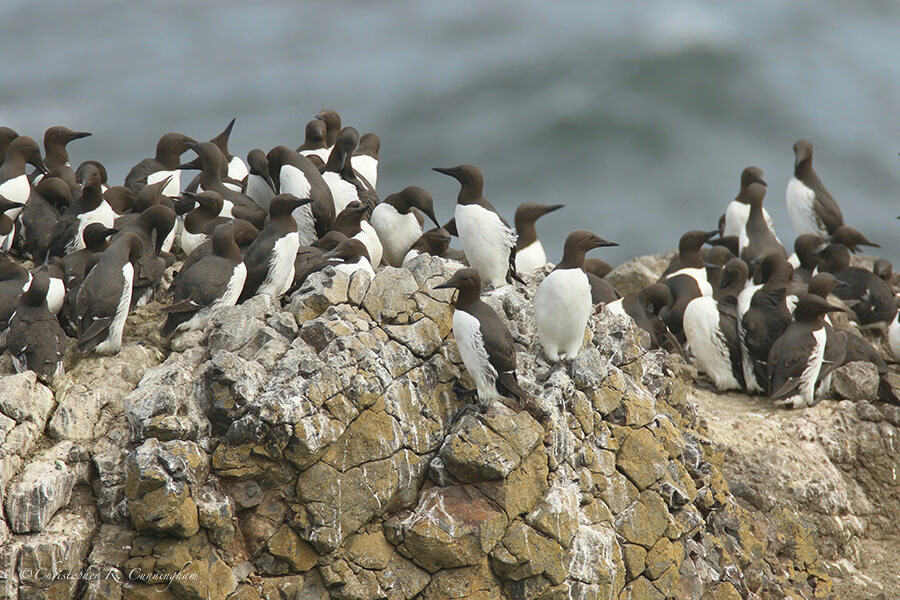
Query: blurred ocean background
(638, 116)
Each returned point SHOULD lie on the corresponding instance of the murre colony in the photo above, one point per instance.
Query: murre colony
(751, 314)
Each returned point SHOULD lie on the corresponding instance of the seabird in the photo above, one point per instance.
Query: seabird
(90, 208)
(202, 221)
(757, 240)
(13, 278)
(120, 198)
(484, 341)
(598, 267)
(350, 256)
(807, 248)
(314, 142)
(764, 322)
(48, 201)
(212, 282)
(811, 208)
(7, 226)
(867, 295)
(398, 225)
(487, 240)
(851, 238)
(294, 174)
(7, 135)
(802, 359)
(14, 184)
(338, 173)
(259, 187)
(270, 258)
(237, 169)
(35, 339)
(644, 308)
(332, 122)
(57, 156)
(434, 242)
(365, 158)
(686, 277)
(562, 302)
(530, 253)
(152, 227)
(104, 298)
(351, 222)
(738, 210)
(169, 149)
(310, 259)
(211, 163)
(712, 328)
(56, 272)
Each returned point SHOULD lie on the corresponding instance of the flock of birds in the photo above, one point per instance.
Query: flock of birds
(753, 317)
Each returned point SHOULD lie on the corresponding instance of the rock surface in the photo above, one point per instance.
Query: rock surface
(313, 450)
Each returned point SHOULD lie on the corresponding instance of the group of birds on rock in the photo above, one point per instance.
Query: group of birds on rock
(753, 317)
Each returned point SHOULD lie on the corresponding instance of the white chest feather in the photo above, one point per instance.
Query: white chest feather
(322, 153)
(746, 296)
(113, 341)
(360, 265)
(18, 190)
(369, 237)
(396, 232)
(281, 266)
(173, 187)
(56, 294)
(190, 241)
(343, 192)
(486, 242)
(259, 191)
(562, 306)
(367, 166)
(237, 169)
(103, 214)
(294, 181)
(894, 337)
(531, 257)
(810, 374)
(467, 331)
(698, 275)
(736, 216)
(800, 205)
(707, 342)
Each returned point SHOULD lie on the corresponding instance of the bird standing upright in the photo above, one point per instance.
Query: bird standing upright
(486, 237)
(562, 303)
(484, 341)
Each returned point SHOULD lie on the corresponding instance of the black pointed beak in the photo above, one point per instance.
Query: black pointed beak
(318, 116)
(77, 135)
(710, 235)
(834, 309)
(302, 202)
(40, 166)
(445, 286)
(710, 265)
(762, 181)
(445, 171)
(839, 285)
(194, 165)
(553, 207)
(227, 131)
(268, 179)
(430, 214)
(111, 232)
(601, 243)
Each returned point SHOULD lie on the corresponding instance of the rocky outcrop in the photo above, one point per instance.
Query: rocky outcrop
(316, 449)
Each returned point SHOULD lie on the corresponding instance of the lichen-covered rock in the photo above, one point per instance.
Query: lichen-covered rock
(158, 484)
(320, 290)
(855, 381)
(91, 396)
(482, 449)
(452, 527)
(24, 398)
(43, 488)
(389, 295)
